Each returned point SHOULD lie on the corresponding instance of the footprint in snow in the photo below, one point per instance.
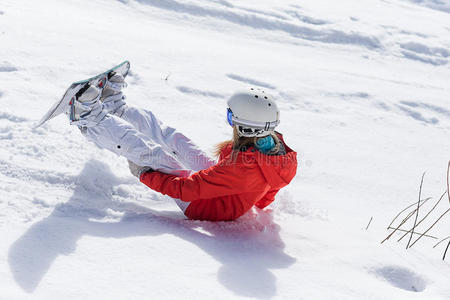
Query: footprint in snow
(402, 278)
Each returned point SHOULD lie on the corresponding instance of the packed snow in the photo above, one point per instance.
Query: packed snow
(364, 98)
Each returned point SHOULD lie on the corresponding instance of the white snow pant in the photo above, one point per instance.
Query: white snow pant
(140, 137)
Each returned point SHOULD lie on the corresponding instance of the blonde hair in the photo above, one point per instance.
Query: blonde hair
(241, 142)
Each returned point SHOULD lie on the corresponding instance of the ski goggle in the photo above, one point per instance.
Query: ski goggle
(229, 116)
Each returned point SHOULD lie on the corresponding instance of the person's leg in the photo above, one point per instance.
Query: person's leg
(122, 138)
(146, 122)
(181, 146)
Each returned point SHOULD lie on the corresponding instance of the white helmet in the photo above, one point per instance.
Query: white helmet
(253, 111)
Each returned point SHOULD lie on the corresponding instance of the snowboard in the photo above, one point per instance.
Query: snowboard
(62, 105)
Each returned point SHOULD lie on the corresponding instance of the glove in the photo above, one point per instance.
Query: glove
(138, 170)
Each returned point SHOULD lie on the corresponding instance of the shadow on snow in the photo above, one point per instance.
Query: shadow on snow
(247, 248)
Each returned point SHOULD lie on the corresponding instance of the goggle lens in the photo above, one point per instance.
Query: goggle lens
(230, 116)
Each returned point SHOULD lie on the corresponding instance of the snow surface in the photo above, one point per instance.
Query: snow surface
(364, 94)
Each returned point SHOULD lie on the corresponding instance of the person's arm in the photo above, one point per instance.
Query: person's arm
(216, 181)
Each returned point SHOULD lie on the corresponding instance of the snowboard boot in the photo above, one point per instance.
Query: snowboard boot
(112, 96)
(87, 110)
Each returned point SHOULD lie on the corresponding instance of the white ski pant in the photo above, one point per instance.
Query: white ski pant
(140, 137)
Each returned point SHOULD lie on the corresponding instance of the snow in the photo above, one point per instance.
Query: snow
(364, 97)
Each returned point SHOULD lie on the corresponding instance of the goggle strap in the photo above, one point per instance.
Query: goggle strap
(257, 125)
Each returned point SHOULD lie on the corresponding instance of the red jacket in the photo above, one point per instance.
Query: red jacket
(230, 188)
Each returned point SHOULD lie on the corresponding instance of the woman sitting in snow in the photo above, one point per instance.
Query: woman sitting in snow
(251, 168)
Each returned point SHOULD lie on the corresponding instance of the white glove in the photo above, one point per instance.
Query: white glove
(138, 170)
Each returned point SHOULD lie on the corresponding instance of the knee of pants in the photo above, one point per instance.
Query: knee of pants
(144, 154)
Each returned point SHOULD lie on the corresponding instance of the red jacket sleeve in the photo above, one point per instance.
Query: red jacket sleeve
(267, 199)
(216, 181)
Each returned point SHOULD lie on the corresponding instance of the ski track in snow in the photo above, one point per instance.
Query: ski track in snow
(346, 96)
(257, 19)
(249, 18)
(440, 5)
(417, 110)
(305, 19)
(420, 52)
(7, 67)
(438, 109)
(192, 91)
(250, 82)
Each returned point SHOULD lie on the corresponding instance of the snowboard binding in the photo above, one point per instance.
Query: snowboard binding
(77, 89)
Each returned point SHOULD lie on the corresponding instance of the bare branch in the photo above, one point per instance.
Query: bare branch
(448, 184)
(400, 225)
(415, 203)
(445, 253)
(417, 212)
(441, 241)
(408, 231)
(430, 227)
(369, 223)
(425, 216)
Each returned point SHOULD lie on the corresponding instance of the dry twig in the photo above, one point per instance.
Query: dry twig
(443, 240)
(400, 225)
(424, 217)
(448, 184)
(417, 211)
(415, 203)
(408, 231)
(430, 227)
(369, 223)
(445, 253)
